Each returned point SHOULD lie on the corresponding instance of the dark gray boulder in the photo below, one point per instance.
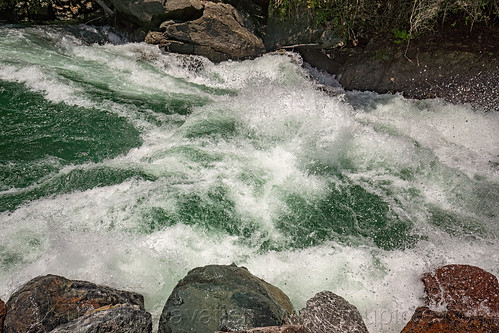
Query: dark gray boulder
(254, 12)
(327, 312)
(145, 13)
(221, 298)
(47, 302)
(220, 34)
(121, 318)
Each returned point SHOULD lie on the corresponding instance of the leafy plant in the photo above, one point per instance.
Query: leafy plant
(401, 36)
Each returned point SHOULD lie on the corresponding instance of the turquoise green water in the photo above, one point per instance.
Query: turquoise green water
(125, 166)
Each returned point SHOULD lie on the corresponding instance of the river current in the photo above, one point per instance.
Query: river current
(128, 167)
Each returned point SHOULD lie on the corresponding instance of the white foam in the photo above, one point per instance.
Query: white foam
(414, 155)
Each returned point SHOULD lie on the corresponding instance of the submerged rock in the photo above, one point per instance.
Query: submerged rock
(327, 312)
(466, 298)
(223, 298)
(46, 302)
(220, 34)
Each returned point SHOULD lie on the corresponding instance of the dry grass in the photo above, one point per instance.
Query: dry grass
(364, 18)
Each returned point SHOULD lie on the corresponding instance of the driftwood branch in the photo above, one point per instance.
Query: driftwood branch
(107, 10)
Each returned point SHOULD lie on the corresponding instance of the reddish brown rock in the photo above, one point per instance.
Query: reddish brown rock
(273, 329)
(469, 295)
(3, 310)
(425, 320)
(462, 288)
(47, 302)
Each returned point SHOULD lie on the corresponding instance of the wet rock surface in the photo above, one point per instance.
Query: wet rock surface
(425, 320)
(461, 298)
(46, 302)
(223, 298)
(120, 318)
(327, 312)
(462, 288)
(459, 70)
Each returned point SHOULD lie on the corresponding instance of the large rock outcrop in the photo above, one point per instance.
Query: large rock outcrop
(467, 298)
(47, 302)
(223, 298)
(459, 70)
(219, 34)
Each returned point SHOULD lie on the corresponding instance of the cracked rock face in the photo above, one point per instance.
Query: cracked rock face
(221, 298)
(219, 34)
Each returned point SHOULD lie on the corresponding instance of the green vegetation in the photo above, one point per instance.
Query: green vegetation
(401, 36)
(355, 19)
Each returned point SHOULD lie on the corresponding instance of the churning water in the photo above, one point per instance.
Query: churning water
(128, 167)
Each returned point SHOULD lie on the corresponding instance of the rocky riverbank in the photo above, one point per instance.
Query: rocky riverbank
(458, 64)
(219, 298)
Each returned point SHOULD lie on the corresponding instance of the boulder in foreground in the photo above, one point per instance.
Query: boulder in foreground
(47, 302)
(463, 288)
(120, 318)
(467, 296)
(223, 298)
(327, 312)
(425, 320)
